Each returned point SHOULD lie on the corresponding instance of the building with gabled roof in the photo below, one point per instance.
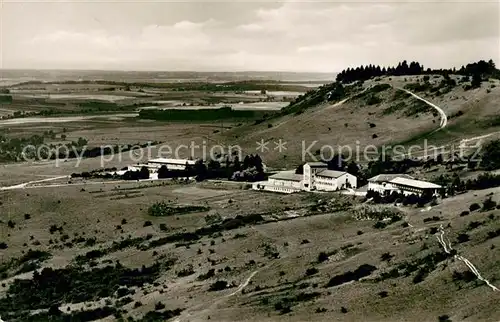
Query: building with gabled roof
(401, 183)
(316, 176)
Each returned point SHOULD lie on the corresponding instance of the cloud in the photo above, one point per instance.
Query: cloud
(308, 36)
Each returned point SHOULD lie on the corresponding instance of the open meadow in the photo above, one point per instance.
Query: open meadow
(245, 255)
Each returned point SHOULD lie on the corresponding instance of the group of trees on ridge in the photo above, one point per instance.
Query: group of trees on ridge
(481, 68)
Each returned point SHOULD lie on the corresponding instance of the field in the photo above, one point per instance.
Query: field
(277, 255)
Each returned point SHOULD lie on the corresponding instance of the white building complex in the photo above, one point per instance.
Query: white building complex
(316, 176)
(401, 183)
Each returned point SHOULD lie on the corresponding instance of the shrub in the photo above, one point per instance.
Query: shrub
(374, 136)
(311, 271)
(493, 234)
(373, 100)
(322, 257)
(161, 316)
(161, 209)
(474, 225)
(27, 216)
(464, 213)
(380, 225)
(386, 257)
(462, 238)
(343, 310)
(53, 229)
(11, 224)
(362, 271)
(123, 291)
(186, 271)
(489, 204)
(490, 159)
(218, 286)
(159, 306)
(163, 227)
(147, 223)
(3, 245)
(444, 318)
(383, 294)
(209, 274)
(434, 218)
(474, 207)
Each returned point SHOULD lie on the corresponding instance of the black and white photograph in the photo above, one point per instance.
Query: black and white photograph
(256, 161)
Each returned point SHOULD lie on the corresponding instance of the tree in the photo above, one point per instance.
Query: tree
(353, 168)
(200, 170)
(81, 142)
(163, 172)
(490, 159)
(144, 173)
(476, 80)
(236, 164)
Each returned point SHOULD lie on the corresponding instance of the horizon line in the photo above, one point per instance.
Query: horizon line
(169, 71)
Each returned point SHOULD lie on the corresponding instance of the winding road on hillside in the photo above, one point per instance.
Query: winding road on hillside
(444, 118)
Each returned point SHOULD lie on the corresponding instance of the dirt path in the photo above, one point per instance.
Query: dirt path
(26, 184)
(477, 138)
(448, 249)
(444, 118)
(186, 315)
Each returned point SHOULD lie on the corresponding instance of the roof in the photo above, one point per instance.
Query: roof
(388, 177)
(415, 183)
(172, 161)
(317, 164)
(288, 176)
(331, 173)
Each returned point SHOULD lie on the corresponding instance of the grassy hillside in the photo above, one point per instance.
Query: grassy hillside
(332, 263)
(375, 112)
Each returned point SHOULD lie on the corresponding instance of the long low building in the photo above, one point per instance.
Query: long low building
(315, 177)
(401, 183)
(284, 182)
(171, 164)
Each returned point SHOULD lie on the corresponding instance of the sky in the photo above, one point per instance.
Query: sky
(305, 36)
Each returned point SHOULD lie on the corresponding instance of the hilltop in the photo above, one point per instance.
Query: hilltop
(376, 111)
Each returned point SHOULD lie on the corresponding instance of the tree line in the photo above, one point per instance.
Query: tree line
(482, 69)
(249, 170)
